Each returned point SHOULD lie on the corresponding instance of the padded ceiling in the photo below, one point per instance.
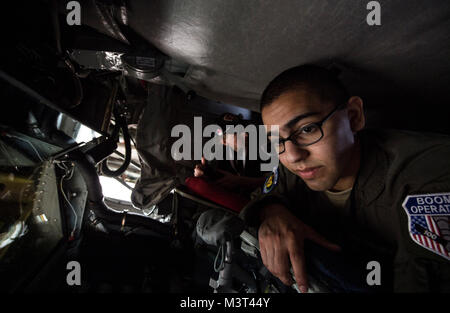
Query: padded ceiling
(236, 47)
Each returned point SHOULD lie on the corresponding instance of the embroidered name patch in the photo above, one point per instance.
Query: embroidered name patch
(271, 181)
(428, 218)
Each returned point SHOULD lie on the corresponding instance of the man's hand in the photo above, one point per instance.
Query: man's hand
(281, 240)
(199, 169)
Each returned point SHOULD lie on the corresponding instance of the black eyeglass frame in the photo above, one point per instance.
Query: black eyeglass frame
(318, 124)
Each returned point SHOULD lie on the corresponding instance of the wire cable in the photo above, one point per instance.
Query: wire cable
(64, 177)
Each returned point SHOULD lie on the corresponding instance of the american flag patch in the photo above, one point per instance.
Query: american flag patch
(429, 221)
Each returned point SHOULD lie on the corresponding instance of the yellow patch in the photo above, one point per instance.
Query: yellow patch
(269, 181)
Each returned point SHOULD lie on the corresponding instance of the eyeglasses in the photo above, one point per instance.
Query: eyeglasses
(305, 135)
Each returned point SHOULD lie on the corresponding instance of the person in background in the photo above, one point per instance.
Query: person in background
(230, 181)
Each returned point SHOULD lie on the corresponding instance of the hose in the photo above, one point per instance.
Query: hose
(121, 124)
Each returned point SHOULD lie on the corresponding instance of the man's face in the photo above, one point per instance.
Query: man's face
(322, 164)
(236, 141)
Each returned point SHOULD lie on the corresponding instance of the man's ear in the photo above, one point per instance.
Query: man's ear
(355, 111)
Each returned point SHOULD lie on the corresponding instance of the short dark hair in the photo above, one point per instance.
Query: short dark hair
(320, 81)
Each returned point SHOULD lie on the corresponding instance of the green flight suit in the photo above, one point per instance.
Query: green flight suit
(373, 225)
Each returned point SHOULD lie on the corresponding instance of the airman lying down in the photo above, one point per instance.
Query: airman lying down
(353, 191)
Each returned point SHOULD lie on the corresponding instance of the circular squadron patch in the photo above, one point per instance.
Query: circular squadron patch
(271, 181)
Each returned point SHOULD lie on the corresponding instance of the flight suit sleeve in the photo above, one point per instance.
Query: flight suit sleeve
(275, 190)
(422, 262)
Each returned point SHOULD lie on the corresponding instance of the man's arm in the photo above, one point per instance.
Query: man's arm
(281, 235)
(422, 262)
(281, 240)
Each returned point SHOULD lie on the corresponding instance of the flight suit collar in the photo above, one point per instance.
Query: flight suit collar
(370, 180)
